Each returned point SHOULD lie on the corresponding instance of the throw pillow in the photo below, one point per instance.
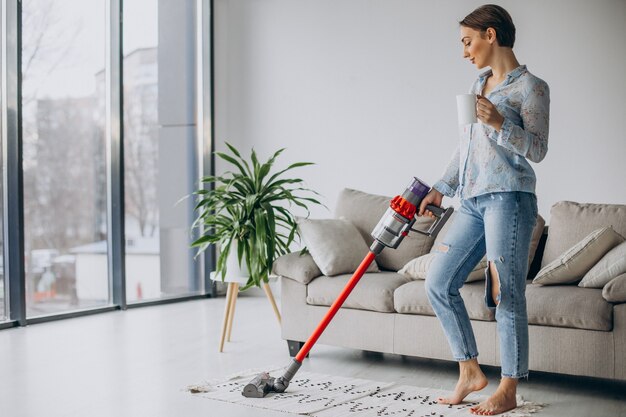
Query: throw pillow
(570, 267)
(336, 245)
(610, 266)
(297, 266)
(615, 290)
(418, 268)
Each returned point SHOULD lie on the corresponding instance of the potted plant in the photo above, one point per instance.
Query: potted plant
(249, 208)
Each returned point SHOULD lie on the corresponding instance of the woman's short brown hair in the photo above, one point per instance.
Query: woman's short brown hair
(492, 16)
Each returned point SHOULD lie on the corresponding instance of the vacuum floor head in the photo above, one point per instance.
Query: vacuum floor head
(259, 387)
(263, 383)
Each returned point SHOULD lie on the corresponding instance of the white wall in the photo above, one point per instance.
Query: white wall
(366, 89)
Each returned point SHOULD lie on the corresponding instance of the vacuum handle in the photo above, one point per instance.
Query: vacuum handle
(441, 221)
(437, 211)
(442, 217)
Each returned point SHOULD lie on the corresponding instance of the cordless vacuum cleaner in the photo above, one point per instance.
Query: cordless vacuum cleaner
(389, 232)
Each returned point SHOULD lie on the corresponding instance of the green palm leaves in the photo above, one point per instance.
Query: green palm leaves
(249, 208)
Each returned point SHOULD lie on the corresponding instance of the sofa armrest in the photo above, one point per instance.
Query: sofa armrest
(619, 337)
(297, 266)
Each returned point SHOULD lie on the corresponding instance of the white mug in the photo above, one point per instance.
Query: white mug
(466, 108)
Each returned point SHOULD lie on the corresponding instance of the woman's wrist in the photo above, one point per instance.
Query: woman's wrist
(497, 125)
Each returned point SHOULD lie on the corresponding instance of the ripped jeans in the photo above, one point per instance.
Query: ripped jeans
(501, 225)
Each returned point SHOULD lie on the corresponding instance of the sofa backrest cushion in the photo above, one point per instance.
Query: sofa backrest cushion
(365, 210)
(570, 222)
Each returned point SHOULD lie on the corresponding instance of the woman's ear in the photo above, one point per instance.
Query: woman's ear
(491, 35)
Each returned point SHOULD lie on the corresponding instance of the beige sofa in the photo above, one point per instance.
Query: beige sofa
(572, 330)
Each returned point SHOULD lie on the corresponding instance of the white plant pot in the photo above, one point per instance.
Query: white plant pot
(234, 272)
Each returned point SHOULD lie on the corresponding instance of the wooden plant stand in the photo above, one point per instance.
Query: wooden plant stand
(229, 310)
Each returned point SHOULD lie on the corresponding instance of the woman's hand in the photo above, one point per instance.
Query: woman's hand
(435, 198)
(487, 113)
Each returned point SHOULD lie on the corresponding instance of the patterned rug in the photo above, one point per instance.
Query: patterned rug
(322, 395)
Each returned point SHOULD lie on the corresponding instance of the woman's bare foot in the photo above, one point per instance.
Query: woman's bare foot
(501, 401)
(471, 379)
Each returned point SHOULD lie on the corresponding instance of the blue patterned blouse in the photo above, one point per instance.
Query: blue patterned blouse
(488, 161)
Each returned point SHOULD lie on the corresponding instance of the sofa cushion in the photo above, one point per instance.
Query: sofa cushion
(568, 306)
(570, 222)
(335, 245)
(615, 290)
(611, 265)
(574, 263)
(418, 268)
(411, 298)
(374, 291)
(297, 266)
(365, 210)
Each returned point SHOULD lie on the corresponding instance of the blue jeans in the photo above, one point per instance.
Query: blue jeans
(501, 225)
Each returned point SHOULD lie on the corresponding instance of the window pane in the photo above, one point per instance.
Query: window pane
(3, 286)
(64, 155)
(155, 158)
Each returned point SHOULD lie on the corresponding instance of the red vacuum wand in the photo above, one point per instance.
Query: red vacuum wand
(389, 232)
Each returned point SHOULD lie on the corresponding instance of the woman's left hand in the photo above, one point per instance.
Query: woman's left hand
(487, 113)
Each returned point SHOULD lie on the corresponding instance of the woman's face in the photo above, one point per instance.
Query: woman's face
(477, 47)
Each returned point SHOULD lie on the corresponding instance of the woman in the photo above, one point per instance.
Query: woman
(490, 173)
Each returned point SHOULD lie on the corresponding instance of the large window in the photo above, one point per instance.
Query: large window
(105, 129)
(64, 155)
